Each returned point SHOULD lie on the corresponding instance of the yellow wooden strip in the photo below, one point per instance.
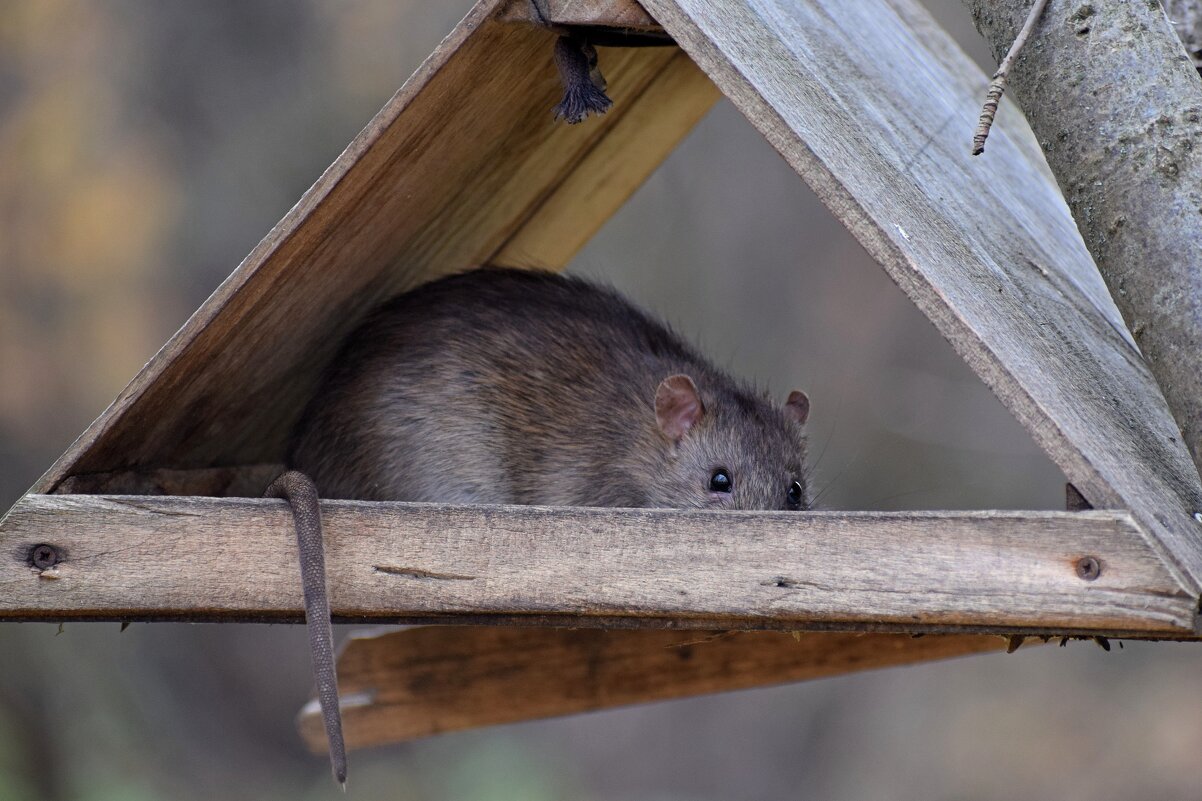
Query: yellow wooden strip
(611, 172)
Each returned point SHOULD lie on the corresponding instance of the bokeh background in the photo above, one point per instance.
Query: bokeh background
(147, 145)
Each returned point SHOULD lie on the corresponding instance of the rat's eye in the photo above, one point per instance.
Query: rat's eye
(720, 481)
(795, 493)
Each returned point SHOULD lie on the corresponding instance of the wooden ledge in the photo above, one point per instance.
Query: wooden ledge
(435, 679)
(190, 558)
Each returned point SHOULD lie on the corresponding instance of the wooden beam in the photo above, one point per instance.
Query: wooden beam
(449, 173)
(872, 104)
(235, 559)
(435, 679)
(625, 14)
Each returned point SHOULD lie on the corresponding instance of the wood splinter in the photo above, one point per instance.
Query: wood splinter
(998, 85)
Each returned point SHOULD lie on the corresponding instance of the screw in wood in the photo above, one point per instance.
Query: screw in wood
(1088, 568)
(44, 556)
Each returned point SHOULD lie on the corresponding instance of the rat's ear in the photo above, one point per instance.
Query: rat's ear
(677, 406)
(797, 406)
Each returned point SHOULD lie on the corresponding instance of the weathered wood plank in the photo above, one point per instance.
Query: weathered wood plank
(178, 557)
(870, 102)
(444, 176)
(436, 679)
(605, 13)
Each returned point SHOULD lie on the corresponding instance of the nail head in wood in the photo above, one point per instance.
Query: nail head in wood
(1088, 568)
(44, 556)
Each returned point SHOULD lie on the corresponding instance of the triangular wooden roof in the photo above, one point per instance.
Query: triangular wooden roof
(464, 166)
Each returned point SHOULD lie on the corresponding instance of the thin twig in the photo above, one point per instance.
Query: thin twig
(998, 85)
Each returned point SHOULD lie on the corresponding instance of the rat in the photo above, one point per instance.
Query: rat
(510, 386)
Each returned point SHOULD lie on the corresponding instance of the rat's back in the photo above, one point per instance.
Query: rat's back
(507, 386)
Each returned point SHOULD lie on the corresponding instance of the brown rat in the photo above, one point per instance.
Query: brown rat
(504, 386)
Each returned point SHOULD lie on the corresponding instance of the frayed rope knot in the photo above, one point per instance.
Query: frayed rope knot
(583, 85)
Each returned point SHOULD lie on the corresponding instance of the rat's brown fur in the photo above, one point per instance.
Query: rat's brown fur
(511, 386)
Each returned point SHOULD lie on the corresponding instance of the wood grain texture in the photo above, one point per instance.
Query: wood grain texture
(444, 176)
(610, 173)
(871, 103)
(605, 13)
(235, 559)
(435, 679)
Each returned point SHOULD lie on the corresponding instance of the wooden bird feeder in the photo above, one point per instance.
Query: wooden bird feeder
(154, 512)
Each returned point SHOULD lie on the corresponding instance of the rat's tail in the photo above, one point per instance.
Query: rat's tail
(301, 494)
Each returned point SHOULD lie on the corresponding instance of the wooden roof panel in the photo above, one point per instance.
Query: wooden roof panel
(874, 106)
(442, 179)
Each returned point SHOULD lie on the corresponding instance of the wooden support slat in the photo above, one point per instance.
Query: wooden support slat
(235, 559)
(604, 13)
(872, 104)
(436, 679)
(452, 169)
(611, 172)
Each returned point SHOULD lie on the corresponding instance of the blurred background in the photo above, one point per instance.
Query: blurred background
(147, 145)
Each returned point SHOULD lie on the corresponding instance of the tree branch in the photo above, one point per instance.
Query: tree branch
(1117, 108)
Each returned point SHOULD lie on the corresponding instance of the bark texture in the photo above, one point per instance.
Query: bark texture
(1117, 107)
(1186, 16)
